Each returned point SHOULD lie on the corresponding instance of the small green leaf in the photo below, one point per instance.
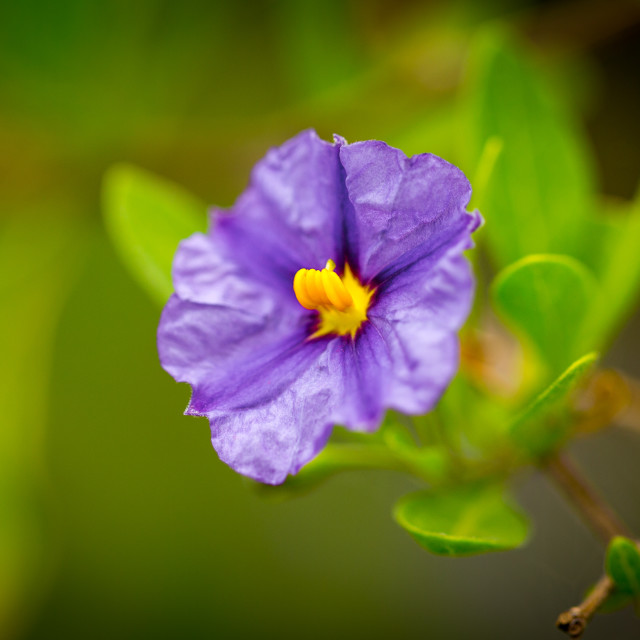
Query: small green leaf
(541, 184)
(539, 427)
(544, 298)
(146, 217)
(462, 521)
(623, 565)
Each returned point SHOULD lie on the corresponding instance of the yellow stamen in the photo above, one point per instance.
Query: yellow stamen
(314, 292)
(342, 302)
(334, 288)
(319, 285)
(300, 288)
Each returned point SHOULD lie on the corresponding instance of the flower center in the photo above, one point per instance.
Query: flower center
(342, 302)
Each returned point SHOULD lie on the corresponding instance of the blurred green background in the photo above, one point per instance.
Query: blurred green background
(116, 518)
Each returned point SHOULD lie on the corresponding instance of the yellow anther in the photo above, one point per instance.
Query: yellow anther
(314, 291)
(342, 302)
(300, 289)
(317, 278)
(340, 298)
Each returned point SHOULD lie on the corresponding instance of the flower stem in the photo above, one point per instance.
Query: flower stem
(593, 509)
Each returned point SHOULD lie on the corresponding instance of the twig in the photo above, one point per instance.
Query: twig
(574, 621)
(594, 510)
(602, 520)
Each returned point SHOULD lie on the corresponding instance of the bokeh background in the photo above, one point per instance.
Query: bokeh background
(116, 518)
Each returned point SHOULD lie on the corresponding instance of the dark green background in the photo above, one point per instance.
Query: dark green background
(118, 520)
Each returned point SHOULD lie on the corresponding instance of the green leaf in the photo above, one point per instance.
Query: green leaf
(540, 189)
(146, 217)
(462, 521)
(540, 426)
(618, 272)
(544, 298)
(623, 565)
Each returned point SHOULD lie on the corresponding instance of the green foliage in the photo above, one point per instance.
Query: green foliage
(201, 89)
(539, 196)
(623, 565)
(545, 298)
(540, 190)
(540, 426)
(146, 218)
(471, 421)
(462, 521)
(614, 239)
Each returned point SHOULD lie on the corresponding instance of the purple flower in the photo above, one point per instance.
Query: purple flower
(275, 368)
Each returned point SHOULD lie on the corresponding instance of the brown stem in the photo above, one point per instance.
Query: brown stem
(602, 520)
(574, 621)
(595, 511)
